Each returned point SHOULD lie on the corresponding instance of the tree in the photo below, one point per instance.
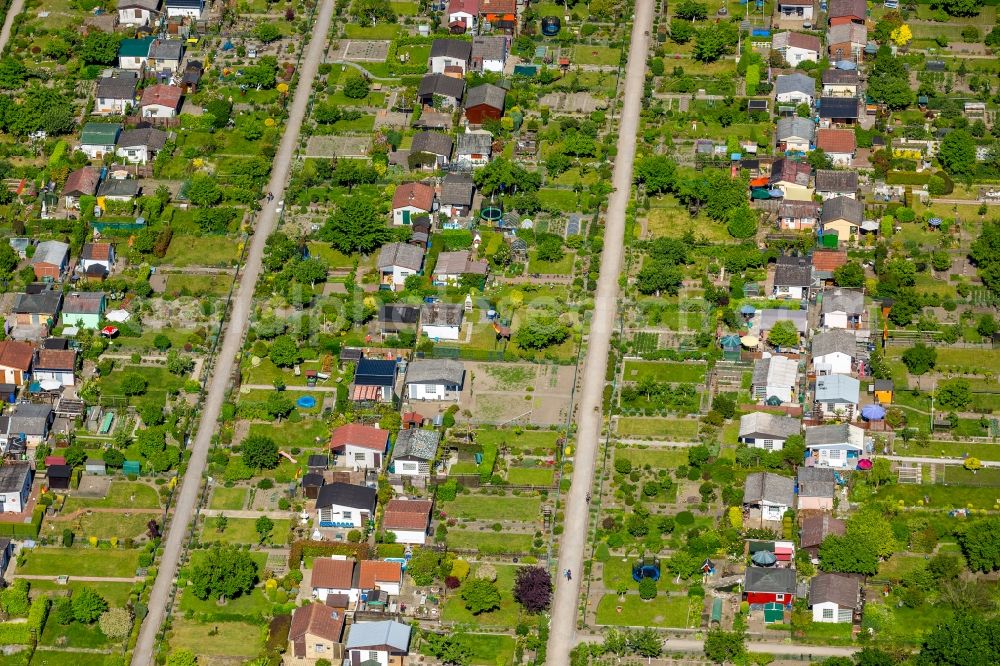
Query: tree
(881, 472)
(973, 464)
(987, 326)
(945, 567)
(550, 248)
(957, 153)
(850, 274)
(541, 332)
(742, 222)
(100, 48)
(150, 441)
(645, 642)
(533, 588)
(221, 111)
(659, 277)
(423, 566)
(14, 600)
(783, 334)
(8, 260)
(920, 358)
(311, 271)
(869, 656)
(264, 526)
(961, 7)
(981, 544)
(202, 190)
(725, 646)
(681, 31)
(284, 352)
(115, 623)
(965, 639)
(357, 86)
(692, 11)
(714, 41)
(480, 595)
(88, 605)
(954, 394)
(502, 176)
(449, 648)
(278, 405)
(373, 11)
(985, 252)
(226, 573)
(901, 36)
(259, 452)
(182, 658)
(114, 458)
(75, 455)
(837, 553)
(266, 32)
(178, 364)
(356, 226)
(162, 342)
(647, 589)
(133, 383)
(13, 73)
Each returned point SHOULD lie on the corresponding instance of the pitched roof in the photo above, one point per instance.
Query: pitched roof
(16, 354)
(13, 475)
(403, 255)
(416, 442)
(346, 494)
(766, 579)
(117, 87)
(835, 340)
(488, 47)
(398, 313)
(134, 48)
(436, 143)
(459, 262)
(42, 302)
(766, 487)
(816, 482)
(99, 134)
(50, 252)
(764, 424)
(150, 137)
(441, 84)
(458, 49)
(836, 181)
(150, 5)
(824, 435)
(401, 514)
(803, 128)
(486, 94)
(838, 107)
(827, 261)
(786, 83)
(497, 6)
(837, 388)
(457, 189)
(843, 208)
(795, 40)
(836, 140)
(474, 143)
(362, 436)
(470, 7)
(841, 77)
(815, 528)
(374, 372)
(96, 251)
(841, 8)
(417, 195)
(318, 620)
(55, 359)
(30, 419)
(775, 371)
(333, 574)
(798, 209)
(783, 170)
(842, 589)
(435, 371)
(83, 303)
(379, 571)
(396, 635)
(163, 95)
(166, 49)
(793, 272)
(119, 187)
(82, 181)
(441, 314)
(843, 300)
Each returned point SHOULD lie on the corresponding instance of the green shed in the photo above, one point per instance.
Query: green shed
(132, 467)
(717, 611)
(829, 241)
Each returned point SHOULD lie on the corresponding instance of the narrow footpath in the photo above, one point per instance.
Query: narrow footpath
(232, 342)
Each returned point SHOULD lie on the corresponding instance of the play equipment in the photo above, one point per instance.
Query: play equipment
(288, 457)
(491, 214)
(306, 402)
(647, 567)
(551, 25)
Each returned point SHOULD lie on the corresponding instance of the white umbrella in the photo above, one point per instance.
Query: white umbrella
(118, 316)
(50, 384)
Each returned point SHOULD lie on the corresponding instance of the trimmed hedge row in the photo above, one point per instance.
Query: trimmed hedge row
(24, 530)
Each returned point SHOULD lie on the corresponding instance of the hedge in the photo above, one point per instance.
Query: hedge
(907, 178)
(38, 614)
(300, 549)
(24, 530)
(15, 633)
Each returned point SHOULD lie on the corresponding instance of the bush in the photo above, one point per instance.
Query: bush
(647, 588)
(684, 518)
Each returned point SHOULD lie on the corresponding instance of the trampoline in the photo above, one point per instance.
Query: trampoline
(646, 568)
(306, 402)
(492, 214)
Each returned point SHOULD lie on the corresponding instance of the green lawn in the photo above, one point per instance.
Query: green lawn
(267, 373)
(562, 267)
(665, 371)
(668, 218)
(243, 530)
(198, 285)
(404, 8)
(43, 657)
(525, 440)
(201, 251)
(121, 494)
(159, 381)
(229, 499)
(381, 31)
(54, 561)
(596, 55)
(75, 634)
(491, 507)
(218, 639)
(101, 525)
(827, 633)
(304, 434)
(488, 649)
(941, 497)
(974, 360)
(618, 571)
(116, 594)
(662, 611)
(657, 458)
(531, 476)
(489, 542)
(506, 616)
(562, 200)
(333, 258)
(899, 565)
(672, 430)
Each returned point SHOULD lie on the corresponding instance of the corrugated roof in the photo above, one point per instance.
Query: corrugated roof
(357, 434)
(417, 443)
(766, 424)
(766, 487)
(434, 371)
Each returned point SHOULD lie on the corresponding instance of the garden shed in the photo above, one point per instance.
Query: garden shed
(58, 476)
(132, 467)
(311, 483)
(95, 467)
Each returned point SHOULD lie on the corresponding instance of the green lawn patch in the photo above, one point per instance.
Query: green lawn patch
(828, 633)
(562, 200)
(665, 371)
(75, 634)
(672, 430)
(488, 649)
(584, 54)
(941, 497)
(242, 530)
(900, 565)
(525, 440)
(101, 525)
(662, 611)
(491, 507)
(54, 561)
(218, 639)
(60, 658)
(533, 476)
(490, 543)
(657, 458)
(304, 434)
(380, 31)
(506, 616)
(228, 499)
(562, 267)
(159, 381)
(333, 258)
(121, 495)
(201, 251)
(116, 594)
(198, 285)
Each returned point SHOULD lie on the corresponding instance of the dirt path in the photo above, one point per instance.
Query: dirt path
(16, 7)
(562, 628)
(229, 352)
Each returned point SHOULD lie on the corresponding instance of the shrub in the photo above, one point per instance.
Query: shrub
(647, 588)
(684, 518)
